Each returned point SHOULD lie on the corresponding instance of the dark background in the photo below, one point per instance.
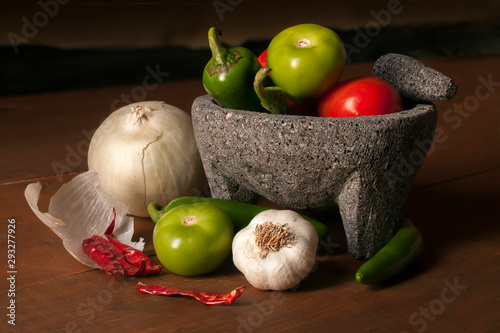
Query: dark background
(86, 44)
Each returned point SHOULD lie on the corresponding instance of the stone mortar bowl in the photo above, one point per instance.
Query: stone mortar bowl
(365, 166)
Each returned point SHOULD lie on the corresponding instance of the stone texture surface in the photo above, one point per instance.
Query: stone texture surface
(363, 165)
(413, 79)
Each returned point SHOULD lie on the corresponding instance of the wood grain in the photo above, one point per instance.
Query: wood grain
(452, 288)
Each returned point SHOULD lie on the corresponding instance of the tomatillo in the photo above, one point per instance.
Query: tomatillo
(306, 60)
(193, 239)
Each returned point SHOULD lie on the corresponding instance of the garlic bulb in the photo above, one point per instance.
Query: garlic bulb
(146, 152)
(276, 250)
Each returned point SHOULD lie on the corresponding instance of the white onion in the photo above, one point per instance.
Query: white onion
(146, 152)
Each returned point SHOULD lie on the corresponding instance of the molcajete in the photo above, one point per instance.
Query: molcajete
(363, 165)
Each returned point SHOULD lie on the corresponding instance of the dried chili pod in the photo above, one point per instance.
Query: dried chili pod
(111, 258)
(212, 298)
(104, 253)
(133, 256)
(116, 258)
(209, 298)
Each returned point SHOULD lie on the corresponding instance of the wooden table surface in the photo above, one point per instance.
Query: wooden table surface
(453, 287)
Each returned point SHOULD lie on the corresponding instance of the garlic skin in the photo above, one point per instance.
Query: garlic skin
(146, 152)
(279, 269)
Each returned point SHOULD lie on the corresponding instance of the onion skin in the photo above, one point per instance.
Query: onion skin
(146, 152)
(80, 209)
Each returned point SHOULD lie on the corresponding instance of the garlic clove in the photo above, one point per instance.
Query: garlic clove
(80, 209)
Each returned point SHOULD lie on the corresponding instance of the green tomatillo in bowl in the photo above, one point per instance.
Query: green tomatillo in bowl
(306, 60)
(193, 239)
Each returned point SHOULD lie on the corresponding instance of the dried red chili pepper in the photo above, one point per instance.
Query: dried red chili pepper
(133, 256)
(104, 254)
(209, 298)
(116, 258)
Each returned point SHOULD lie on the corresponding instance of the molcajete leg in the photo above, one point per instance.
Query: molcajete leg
(371, 212)
(224, 187)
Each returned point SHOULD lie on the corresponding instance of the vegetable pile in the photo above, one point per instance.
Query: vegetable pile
(144, 155)
(298, 73)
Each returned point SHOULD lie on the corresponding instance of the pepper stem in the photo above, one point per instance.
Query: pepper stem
(223, 58)
(156, 211)
(273, 99)
(219, 51)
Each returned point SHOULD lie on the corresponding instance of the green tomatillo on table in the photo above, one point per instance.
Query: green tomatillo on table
(306, 60)
(193, 239)
(228, 76)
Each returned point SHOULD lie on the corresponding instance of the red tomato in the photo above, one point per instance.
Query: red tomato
(263, 59)
(364, 96)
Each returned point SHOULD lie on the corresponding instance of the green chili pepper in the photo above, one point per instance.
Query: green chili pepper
(240, 213)
(228, 76)
(394, 257)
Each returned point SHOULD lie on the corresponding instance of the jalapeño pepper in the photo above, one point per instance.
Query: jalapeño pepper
(240, 213)
(229, 75)
(394, 257)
